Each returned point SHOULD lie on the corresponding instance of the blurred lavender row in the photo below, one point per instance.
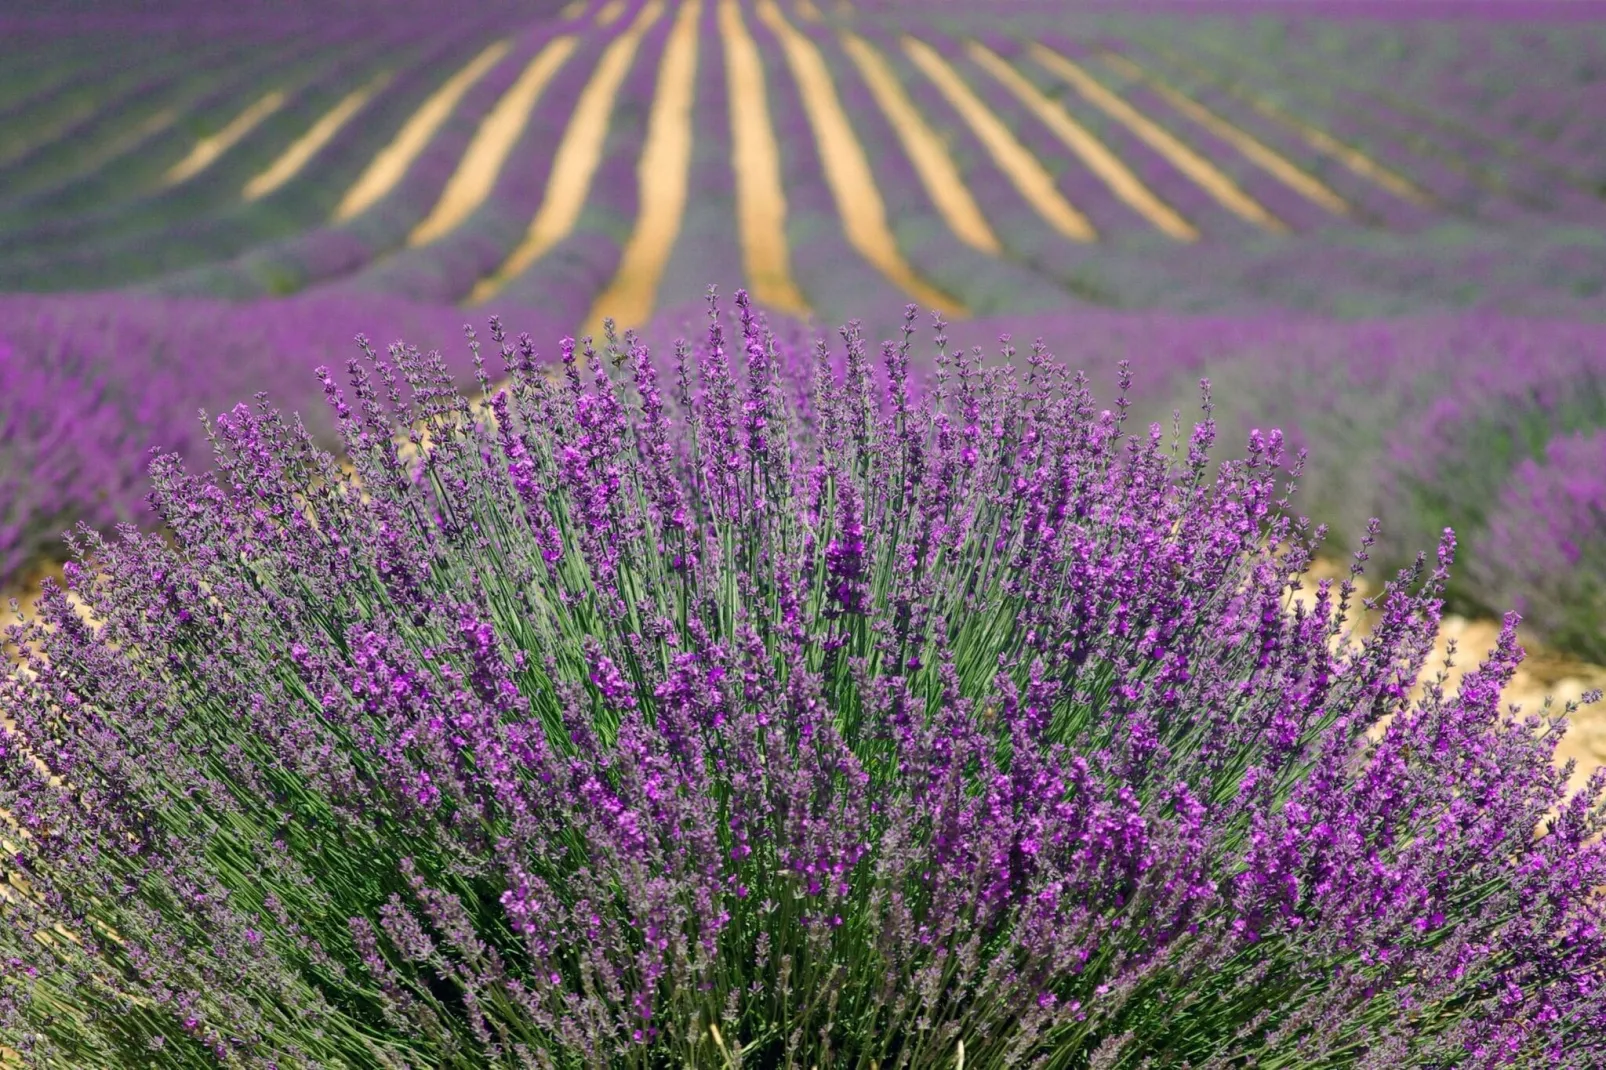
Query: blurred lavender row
(89, 383)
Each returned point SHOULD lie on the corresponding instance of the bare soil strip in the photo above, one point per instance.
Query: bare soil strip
(308, 145)
(847, 171)
(756, 163)
(1024, 171)
(388, 168)
(471, 184)
(208, 149)
(1256, 151)
(1206, 175)
(1092, 152)
(578, 155)
(609, 13)
(925, 149)
(662, 176)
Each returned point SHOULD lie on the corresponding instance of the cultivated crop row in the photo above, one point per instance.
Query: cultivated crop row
(1080, 162)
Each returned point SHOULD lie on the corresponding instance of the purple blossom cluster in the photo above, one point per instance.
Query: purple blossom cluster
(756, 707)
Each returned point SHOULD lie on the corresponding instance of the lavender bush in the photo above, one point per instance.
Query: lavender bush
(766, 716)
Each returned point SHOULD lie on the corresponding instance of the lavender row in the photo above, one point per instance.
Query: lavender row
(164, 227)
(569, 275)
(1375, 92)
(1454, 185)
(41, 105)
(1215, 221)
(987, 284)
(1524, 91)
(53, 183)
(1025, 237)
(339, 59)
(707, 250)
(835, 280)
(92, 381)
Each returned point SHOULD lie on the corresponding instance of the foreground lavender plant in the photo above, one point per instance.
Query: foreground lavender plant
(786, 719)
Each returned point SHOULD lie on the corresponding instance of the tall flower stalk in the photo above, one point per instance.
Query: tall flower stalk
(780, 715)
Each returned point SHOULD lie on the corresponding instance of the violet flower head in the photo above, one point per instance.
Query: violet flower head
(844, 555)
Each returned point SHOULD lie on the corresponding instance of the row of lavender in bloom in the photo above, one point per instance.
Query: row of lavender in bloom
(1517, 91)
(744, 706)
(90, 383)
(93, 206)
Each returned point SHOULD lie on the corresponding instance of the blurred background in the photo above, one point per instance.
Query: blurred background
(1377, 226)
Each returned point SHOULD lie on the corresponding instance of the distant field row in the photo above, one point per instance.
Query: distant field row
(628, 152)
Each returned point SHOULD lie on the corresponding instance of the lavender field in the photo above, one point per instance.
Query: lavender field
(693, 691)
